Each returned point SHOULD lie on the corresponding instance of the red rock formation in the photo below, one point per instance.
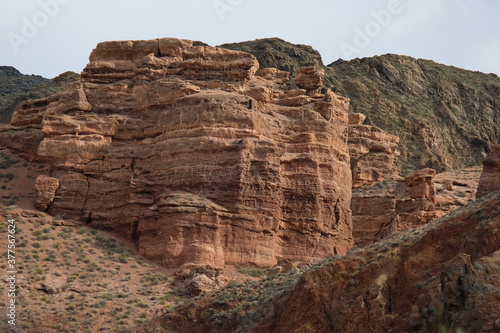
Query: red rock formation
(373, 217)
(45, 191)
(183, 149)
(392, 206)
(418, 207)
(374, 153)
(490, 177)
(310, 78)
(443, 269)
(445, 274)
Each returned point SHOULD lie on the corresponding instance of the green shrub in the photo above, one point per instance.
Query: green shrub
(11, 202)
(255, 272)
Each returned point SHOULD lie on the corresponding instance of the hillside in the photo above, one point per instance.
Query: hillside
(446, 117)
(179, 187)
(417, 281)
(16, 87)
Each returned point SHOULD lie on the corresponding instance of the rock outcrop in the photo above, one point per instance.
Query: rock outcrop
(444, 274)
(45, 191)
(391, 206)
(490, 177)
(374, 153)
(182, 148)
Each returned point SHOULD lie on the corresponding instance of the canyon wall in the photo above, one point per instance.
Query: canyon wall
(196, 155)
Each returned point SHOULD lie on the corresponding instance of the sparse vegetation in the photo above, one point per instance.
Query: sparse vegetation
(83, 259)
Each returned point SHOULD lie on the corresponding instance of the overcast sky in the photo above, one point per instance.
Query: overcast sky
(48, 37)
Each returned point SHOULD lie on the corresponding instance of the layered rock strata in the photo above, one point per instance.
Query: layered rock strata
(183, 149)
(442, 275)
(490, 177)
(374, 153)
(445, 274)
(391, 206)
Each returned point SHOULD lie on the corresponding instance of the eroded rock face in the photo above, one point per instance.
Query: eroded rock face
(374, 153)
(182, 148)
(310, 78)
(393, 206)
(443, 274)
(490, 177)
(422, 280)
(45, 191)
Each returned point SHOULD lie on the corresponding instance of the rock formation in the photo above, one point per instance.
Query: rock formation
(444, 274)
(490, 177)
(391, 206)
(374, 153)
(445, 117)
(182, 148)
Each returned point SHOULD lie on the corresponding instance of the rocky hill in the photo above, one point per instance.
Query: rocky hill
(218, 169)
(418, 281)
(445, 117)
(16, 87)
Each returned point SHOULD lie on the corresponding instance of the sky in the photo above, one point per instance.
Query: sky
(48, 37)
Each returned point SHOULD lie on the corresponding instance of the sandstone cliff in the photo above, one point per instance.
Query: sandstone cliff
(445, 117)
(374, 153)
(443, 277)
(193, 154)
(394, 205)
(490, 177)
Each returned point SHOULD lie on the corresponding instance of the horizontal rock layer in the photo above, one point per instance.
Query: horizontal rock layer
(391, 206)
(374, 153)
(183, 149)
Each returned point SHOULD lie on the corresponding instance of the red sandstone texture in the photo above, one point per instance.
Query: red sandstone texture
(490, 177)
(394, 206)
(184, 149)
(374, 153)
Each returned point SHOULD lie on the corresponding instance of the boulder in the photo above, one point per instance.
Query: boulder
(45, 191)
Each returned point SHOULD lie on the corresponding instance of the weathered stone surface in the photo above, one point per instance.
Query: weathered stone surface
(374, 153)
(398, 292)
(153, 59)
(444, 274)
(374, 217)
(182, 149)
(199, 284)
(490, 177)
(22, 141)
(310, 78)
(356, 118)
(380, 210)
(420, 184)
(45, 191)
(274, 74)
(53, 284)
